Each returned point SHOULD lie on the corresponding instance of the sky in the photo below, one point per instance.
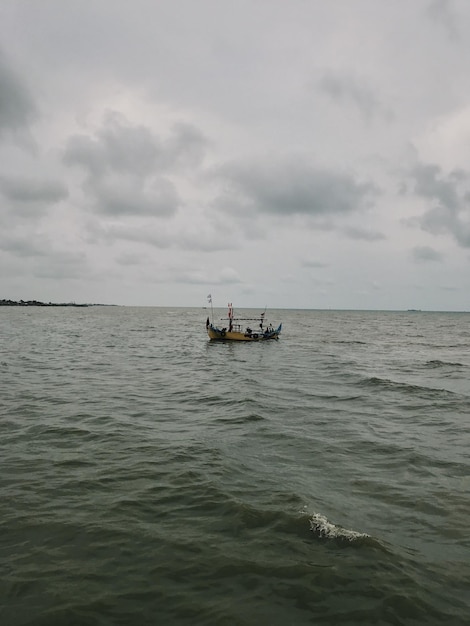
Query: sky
(302, 154)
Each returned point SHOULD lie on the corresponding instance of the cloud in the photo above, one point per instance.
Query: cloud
(117, 146)
(449, 196)
(62, 265)
(186, 237)
(23, 246)
(128, 166)
(17, 107)
(425, 253)
(186, 146)
(44, 257)
(116, 195)
(429, 183)
(30, 195)
(363, 233)
(224, 276)
(346, 88)
(109, 234)
(229, 276)
(441, 12)
(275, 143)
(120, 146)
(292, 187)
(313, 263)
(130, 259)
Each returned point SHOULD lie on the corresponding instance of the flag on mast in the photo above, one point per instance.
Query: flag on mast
(209, 299)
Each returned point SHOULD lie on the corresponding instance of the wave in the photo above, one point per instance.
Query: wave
(242, 419)
(349, 342)
(437, 363)
(324, 529)
(385, 384)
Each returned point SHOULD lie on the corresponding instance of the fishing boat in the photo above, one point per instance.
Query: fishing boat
(239, 328)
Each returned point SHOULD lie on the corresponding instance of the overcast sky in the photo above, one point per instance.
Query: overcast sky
(304, 154)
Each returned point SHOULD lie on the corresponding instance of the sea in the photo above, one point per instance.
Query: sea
(150, 476)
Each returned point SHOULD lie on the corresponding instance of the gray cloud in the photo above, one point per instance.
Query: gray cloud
(130, 259)
(306, 109)
(450, 201)
(207, 239)
(425, 253)
(130, 195)
(127, 166)
(363, 233)
(30, 190)
(43, 258)
(62, 265)
(450, 288)
(154, 237)
(23, 246)
(313, 264)
(120, 147)
(293, 188)
(346, 88)
(224, 276)
(117, 147)
(17, 107)
(430, 183)
(185, 147)
(441, 12)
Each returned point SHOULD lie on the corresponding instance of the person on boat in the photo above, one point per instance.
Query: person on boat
(248, 331)
(230, 326)
(207, 323)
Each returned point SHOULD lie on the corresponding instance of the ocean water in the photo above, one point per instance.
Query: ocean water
(149, 476)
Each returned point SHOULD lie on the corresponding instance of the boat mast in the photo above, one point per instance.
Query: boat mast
(209, 299)
(263, 314)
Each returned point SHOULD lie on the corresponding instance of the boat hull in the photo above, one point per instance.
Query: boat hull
(217, 334)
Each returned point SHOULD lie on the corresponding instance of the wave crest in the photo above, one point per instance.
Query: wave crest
(324, 529)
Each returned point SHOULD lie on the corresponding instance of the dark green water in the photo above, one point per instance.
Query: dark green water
(149, 476)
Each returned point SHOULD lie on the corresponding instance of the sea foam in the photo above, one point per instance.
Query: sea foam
(320, 525)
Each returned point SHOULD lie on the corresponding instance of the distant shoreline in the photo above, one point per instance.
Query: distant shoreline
(38, 303)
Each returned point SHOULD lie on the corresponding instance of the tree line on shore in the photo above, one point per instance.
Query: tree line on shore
(37, 303)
